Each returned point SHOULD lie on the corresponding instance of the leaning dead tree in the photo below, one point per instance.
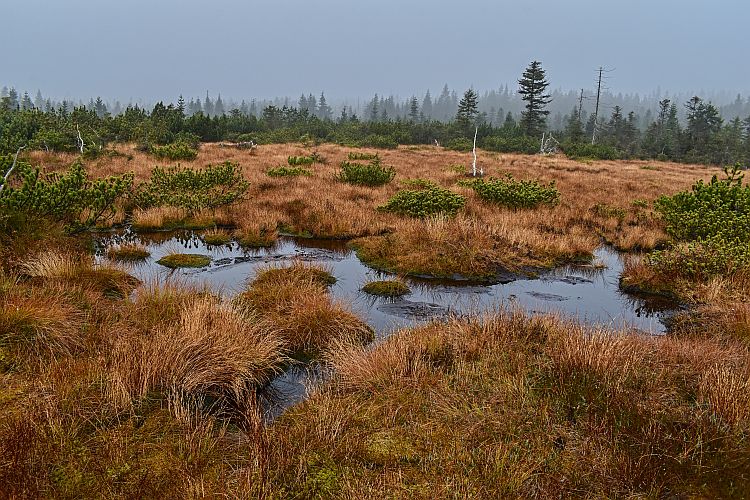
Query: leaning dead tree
(549, 145)
(474, 151)
(10, 171)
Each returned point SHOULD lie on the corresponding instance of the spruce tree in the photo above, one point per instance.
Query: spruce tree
(532, 87)
(414, 110)
(324, 110)
(468, 108)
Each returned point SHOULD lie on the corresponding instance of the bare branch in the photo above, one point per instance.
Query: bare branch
(7, 174)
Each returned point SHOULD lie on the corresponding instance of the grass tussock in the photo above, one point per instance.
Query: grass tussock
(216, 237)
(128, 252)
(79, 270)
(296, 302)
(40, 321)
(214, 356)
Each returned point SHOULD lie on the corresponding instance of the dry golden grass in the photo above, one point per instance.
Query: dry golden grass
(320, 206)
(296, 302)
(507, 407)
(40, 321)
(214, 351)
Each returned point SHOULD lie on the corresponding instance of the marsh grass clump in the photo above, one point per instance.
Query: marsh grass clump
(214, 357)
(40, 320)
(298, 271)
(217, 237)
(283, 171)
(128, 252)
(296, 302)
(513, 193)
(180, 260)
(372, 174)
(386, 288)
(257, 238)
(79, 270)
(425, 202)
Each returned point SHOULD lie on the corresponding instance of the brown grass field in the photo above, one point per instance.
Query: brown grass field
(111, 388)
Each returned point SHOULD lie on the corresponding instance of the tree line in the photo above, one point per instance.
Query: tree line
(693, 131)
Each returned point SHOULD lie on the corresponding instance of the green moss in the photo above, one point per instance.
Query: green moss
(178, 260)
(386, 288)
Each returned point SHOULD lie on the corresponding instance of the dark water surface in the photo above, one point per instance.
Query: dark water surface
(588, 293)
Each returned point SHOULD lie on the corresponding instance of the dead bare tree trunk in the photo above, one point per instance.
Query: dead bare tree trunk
(80, 139)
(474, 164)
(7, 174)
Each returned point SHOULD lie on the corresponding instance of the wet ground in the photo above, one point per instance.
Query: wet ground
(589, 293)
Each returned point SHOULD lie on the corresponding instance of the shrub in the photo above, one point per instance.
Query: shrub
(192, 189)
(282, 171)
(70, 197)
(711, 224)
(514, 193)
(356, 155)
(525, 145)
(580, 151)
(380, 141)
(424, 202)
(460, 144)
(304, 160)
(372, 174)
(175, 151)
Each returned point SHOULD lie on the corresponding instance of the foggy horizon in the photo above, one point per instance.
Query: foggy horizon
(147, 52)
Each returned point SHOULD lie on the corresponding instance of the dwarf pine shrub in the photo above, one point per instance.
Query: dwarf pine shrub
(70, 197)
(710, 225)
(514, 193)
(192, 189)
(175, 151)
(283, 171)
(425, 202)
(371, 174)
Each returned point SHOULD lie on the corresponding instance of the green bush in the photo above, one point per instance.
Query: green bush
(418, 183)
(355, 155)
(459, 144)
(372, 174)
(514, 193)
(70, 198)
(425, 202)
(586, 151)
(499, 144)
(192, 189)
(305, 160)
(282, 171)
(175, 151)
(380, 141)
(711, 227)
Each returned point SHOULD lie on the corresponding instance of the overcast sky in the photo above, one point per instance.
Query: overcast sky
(158, 49)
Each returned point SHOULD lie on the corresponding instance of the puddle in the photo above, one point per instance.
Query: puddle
(589, 294)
